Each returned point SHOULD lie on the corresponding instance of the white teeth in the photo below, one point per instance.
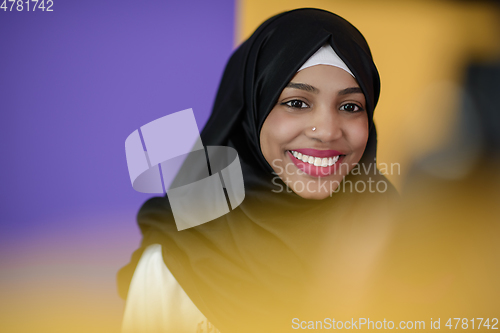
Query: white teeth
(332, 160)
(316, 161)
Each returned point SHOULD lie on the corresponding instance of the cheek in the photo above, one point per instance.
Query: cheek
(278, 130)
(358, 134)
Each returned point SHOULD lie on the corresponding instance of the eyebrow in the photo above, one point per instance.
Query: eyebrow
(308, 87)
(348, 91)
(303, 86)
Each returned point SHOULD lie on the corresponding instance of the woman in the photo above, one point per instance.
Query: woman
(296, 101)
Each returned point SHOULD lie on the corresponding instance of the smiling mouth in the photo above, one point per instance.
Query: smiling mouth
(316, 160)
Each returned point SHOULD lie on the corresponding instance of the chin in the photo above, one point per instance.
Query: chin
(314, 188)
(313, 195)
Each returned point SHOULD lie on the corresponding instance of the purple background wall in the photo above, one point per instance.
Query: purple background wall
(74, 83)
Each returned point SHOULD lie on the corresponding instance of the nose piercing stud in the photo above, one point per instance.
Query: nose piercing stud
(314, 128)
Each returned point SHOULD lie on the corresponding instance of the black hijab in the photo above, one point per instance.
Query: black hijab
(246, 270)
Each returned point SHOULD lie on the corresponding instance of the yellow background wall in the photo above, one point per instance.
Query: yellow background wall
(421, 49)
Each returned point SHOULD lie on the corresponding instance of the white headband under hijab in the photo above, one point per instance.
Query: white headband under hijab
(326, 56)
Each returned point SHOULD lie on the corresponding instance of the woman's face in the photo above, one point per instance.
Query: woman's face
(317, 132)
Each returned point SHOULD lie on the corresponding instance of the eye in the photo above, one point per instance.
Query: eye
(351, 107)
(296, 104)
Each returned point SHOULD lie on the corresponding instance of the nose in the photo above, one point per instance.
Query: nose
(325, 125)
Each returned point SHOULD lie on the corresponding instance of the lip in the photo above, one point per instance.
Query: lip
(318, 152)
(316, 171)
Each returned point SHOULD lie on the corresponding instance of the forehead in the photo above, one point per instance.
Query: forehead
(326, 76)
